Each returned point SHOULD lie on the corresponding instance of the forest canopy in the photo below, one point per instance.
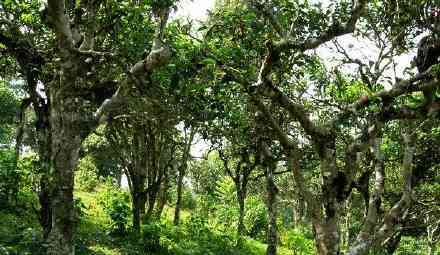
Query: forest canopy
(316, 124)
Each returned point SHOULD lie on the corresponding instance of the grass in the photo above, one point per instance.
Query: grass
(94, 238)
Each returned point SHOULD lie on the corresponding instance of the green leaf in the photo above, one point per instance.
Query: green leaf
(209, 61)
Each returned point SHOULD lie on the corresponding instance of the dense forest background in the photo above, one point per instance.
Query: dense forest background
(270, 127)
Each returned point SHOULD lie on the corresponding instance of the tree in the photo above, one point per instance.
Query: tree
(146, 151)
(287, 46)
(186, 154)
(66, 111)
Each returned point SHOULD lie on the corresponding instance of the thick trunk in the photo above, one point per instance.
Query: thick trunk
(326, 229)
(179, 196)
(66, 142)
(272, 232)
(138, 209)
(326, 237)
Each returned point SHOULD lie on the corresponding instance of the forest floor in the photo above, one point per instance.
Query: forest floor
(94, 237)
(20, 233)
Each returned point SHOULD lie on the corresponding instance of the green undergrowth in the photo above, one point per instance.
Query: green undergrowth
(194, 236)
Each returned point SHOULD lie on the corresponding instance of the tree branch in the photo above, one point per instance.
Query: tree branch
(335, 30)
(58, 20)
(420, 82)
(157, 57)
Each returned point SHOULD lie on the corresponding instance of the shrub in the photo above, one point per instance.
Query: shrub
(255, 219)
(151, 233)
(298, 241)
(115, 204)
(78, 210)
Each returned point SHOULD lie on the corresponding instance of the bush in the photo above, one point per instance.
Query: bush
(298, 241)
(20, 234)
(78, 210)
(151, 233)
(116, 205)
(255, 219)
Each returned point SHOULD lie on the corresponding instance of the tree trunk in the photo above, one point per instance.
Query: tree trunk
(138, 209)
(65, 118)
(298, 208)
(179, 195)
(272, 232)
(152, 197)
(326, 237)
(45, 212)
(43, 139)
(327, 234)
(182, 170)
(118, 178)
(393, 243)
(163, 195)
(241, 196)
(138, 204)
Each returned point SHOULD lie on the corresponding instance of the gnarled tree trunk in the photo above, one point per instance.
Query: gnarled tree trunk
(65, 119)
(272, 230)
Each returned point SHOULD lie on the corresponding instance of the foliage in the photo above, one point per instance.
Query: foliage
(20, 234)
(188, 200)
(116, 205)
(9, 177)
(151, 237)
(86, 174)
(9, 108)
(78, 210)
(213, 80)
(104, 156)
(298, 241)
(255, 219)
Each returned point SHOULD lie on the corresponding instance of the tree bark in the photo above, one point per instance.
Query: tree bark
(65, 120)
(179, 196)
(45, 185)
(326, 228)
(241, 196)
(372, 235)
(163, 195)
(45, 212)
(138, 201)
(182, 170)
(272, 230)
(152, 197)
